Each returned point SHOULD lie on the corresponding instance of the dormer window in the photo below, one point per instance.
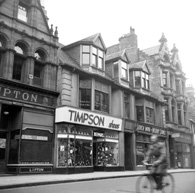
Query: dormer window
(124, 70)
(141, 79)
(92, 56)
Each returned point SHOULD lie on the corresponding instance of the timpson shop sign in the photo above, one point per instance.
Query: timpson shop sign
(24, 96)
(151, 130)
(77, 116)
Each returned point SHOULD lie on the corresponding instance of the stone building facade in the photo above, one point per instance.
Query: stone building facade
(28, 96)
(85, 107)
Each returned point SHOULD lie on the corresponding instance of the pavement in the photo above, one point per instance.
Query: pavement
(16, 181)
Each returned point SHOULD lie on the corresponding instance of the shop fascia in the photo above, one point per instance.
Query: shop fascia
(81, 117)
(151, 130)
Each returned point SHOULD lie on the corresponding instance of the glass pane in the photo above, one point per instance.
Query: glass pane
(83, 153)
(137, 79)
(97, 100)
(124, 65)
(104, 102)
(100, 53)
(107, 154)
(17, 68)
(62, 152)
(85, 58)
(94, 50)
(94, 60)
(100, 63)
(85, 98)
(85, 48)
(124, 73)
(22, 13)
(140, 114)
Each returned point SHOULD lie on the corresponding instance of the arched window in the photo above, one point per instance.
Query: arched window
(19, 59)
(40, 58)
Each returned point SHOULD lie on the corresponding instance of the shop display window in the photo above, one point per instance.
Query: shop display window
(107, 154)
(83, 152)
(141, 149)
(74, 146)
(106, 149)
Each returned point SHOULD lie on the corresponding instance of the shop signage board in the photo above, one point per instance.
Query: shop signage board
(82, 117)
(175, 135)
(151, 130)
(34, 137)
(25, 96)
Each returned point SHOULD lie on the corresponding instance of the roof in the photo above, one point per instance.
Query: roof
(152, 51)
(66, 59)
(142, 65)
(119, 54)
(112, 49)
(88, 40)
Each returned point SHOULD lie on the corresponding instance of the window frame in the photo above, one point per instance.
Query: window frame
(165, 79)
(124, 69)
(22, 7)
(80, 97)
(103, 99)
(141, 116)
(86, 53)
(149, 115)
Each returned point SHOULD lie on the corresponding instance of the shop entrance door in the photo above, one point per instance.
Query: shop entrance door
(3, 139)
(128, 158)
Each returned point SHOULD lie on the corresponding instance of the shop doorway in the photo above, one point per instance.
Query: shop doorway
(128, 158)
(9, 121)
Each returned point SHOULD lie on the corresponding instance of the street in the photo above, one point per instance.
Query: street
(184, 183)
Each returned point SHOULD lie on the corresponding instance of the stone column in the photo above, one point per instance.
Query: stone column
(9, 62)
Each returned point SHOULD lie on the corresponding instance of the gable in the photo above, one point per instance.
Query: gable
(99, 43)
(145, 68)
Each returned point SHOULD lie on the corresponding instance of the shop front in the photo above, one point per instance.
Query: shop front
(183, 149)
(26, 129)
(86, 141)
(143, 133)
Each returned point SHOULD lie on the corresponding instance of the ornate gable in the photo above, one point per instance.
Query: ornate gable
(175, 59)
(164, 53)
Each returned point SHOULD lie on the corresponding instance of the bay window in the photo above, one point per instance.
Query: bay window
(141, 80)
(92, 56)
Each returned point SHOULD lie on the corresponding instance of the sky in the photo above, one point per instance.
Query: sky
(78, 19)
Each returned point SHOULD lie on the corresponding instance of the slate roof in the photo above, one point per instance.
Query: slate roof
(66, 59)
(112, 49)
(138, 65)
(115, 55)
(152, 51)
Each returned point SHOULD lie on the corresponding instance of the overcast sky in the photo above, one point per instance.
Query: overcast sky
(77, 19)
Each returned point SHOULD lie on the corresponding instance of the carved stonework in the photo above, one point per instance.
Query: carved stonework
(85, 84)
